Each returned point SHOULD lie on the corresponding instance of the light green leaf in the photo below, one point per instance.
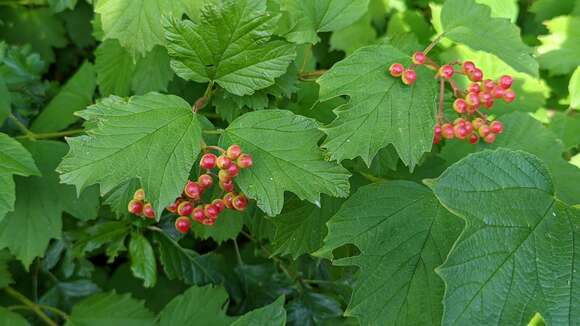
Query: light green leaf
(5, 275)
(197, 306)
(574, 89)
(152, 72)
(115, 68)
(301, 227)
(62, 5)
(403, 234)
(355, 36)
(110, 309)
(76, 94)
(307, 18)
(185, 264)
(407, 23)
(560, 50)
(502, 8)
(517, 255)
(10, 318)
(227, 227)
(281, 165)
(22, 26)
(5, 101)
(143, 261)
(40, 202)
(136, 23)
(230, 45)
(271, 315)
(547, 9)
(153, 137)
(382, 110)
(467, 22)
(567, 129)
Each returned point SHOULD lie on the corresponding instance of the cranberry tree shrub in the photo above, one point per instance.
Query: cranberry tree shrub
(289, 162)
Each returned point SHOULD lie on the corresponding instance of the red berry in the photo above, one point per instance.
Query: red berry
(447, 131)
(473, 139)
(488, 85)
(223, 162)
(446, 72)
(460, 106)
(460, 132)
(409, 76)
(459, 122)
(210, 211)
(228, 198)
(209, 221)
(245, 161)
(472, 100)
(139, 194)
(148, 211)
(437, 129)
(183, 224)
(192, 190)
(468, 67)
(227, 186)
(498, 92)
(476, 75)
(489, 138)
(505, 81)
(240, 202)
(396, 69)
(205, 181)
(185, 208)
(484, 131)
(234, 152)
(135, 207)
(477, 123)
(468, 127)
(486, 98)
(474, 88)
(208, 161)
(496, 127)
(219, 204)
(437, 139)
(233, 170)
(173, 207)
(509, 96)
(224, 176)
(419, 58)
(198, 214)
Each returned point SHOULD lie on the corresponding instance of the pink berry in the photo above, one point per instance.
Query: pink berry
(509, 96)
(460, 132)
(460, 106)
(219, 204)
(148, 211)
(245, 161)
(505, 81)
(396, 70)
(192, 190)
(228, 198)
(135, 207)
(419, 58)
(437, 129)
(198, 214)
(476, 75)
(488, 85)
(468, 67)
(489, 138)
(498, 92)
(183, 224)
(468, 127)
(227, 186)
(409, 77)
(139, 194)
(473, 139)
(234, 152)
(185, 208)
(205, 181)
(446, 72)
(208, 161)
(477, 123)
(484, 131)
(474, 88)
(240, 202)
(496, 127)
(223, 162)
(211, 211)
(472, 100)
(173, 207)
(233, 170)
(486, 98)
(447, 131)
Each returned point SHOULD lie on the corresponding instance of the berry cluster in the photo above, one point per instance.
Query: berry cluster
(139, 206)
(189, 206)
(471, 125)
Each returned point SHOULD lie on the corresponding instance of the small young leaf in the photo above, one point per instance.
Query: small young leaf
(153, 137)
(280, 164)
(272, 314)
(143, 261)
(110, 309)
(382, 110)
(197, 306)
(231, 46)
(560, 50)
(467, 22)
(517, 238)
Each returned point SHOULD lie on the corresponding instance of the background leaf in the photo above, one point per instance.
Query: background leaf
(143, 261)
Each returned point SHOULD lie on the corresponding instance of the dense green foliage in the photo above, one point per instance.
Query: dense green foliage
(356, 215)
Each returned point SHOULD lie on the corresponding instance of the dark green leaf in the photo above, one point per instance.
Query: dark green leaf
(143, 260)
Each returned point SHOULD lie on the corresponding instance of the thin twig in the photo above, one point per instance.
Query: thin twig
(28, 134)
(33, 307)
(440, 114)
(238, 255)
(433, 43)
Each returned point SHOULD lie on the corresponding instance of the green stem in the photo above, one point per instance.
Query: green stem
(433, 43)
(27, 133)
(238, 255)
(33, 307)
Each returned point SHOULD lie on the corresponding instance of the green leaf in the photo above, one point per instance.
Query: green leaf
(185, 264)
(152, 72)
(502, 8)
(272, 314)
(112, 234)
(517, 255)
(110, 309)
(14, 160)
(37, 27)
(227, 227)
(403, 234)
(62, 5)
(467, 22)
(560, 50)
(187, 309)
(547, 9)
(301, 227)
(143, 261)
(314, 308)
(230, 45)
(281, 165)
(153, 137)
(382, 110)
(409, 22)
(355, 36)
(115, 68)
(574, 89)
(136, 23)
(566, 128)
(76, 94)
(5, 275)
(5, 101)
(40, 202)
(307, 18)
(10, 318)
